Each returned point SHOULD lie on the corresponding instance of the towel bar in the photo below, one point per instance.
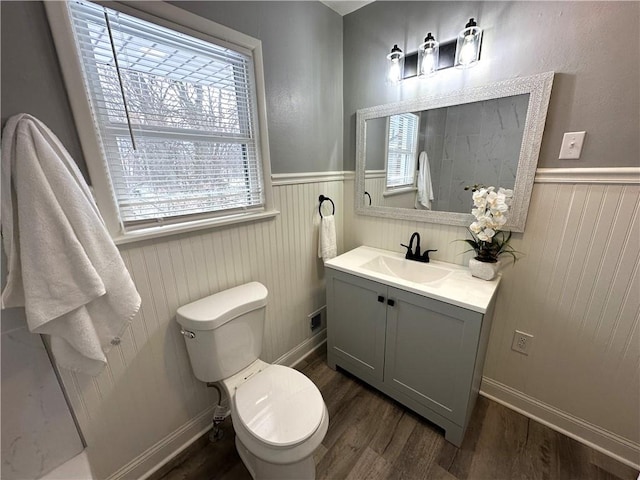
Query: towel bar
(321, 199)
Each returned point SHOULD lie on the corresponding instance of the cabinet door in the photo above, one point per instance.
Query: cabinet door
(430, 352)
(356, 325)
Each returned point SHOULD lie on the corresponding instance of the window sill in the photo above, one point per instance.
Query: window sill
(399, 191)
(193, 226)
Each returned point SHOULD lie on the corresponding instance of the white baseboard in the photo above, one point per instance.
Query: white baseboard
(299, 353)
(151, 460)
(608, 443)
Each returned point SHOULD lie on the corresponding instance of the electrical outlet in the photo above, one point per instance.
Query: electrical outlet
(522, 342)
(316, 319)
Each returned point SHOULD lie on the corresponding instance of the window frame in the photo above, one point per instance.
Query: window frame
(180, 20)
(405, 187)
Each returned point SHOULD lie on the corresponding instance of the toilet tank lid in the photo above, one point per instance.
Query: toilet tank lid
(217, 309)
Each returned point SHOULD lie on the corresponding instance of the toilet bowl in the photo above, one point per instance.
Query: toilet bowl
(278, 414)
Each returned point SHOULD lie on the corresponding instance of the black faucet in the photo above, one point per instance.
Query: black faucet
(415, 254)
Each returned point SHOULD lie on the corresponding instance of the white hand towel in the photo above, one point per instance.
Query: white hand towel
(63, 266)
(425, 188)
(327, 244)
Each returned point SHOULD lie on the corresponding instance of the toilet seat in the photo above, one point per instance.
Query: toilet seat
(279, 407)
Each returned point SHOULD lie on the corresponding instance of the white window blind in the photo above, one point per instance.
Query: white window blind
(402, 149)
(176, 116)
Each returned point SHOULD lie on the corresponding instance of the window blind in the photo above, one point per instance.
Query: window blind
(402, 149)
(176, 116)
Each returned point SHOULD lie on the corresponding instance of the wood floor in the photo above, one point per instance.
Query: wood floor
(372, 437)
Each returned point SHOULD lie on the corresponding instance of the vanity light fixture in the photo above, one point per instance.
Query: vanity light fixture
(468, 45)
(428, 57)
(431, 56)
(396, 66)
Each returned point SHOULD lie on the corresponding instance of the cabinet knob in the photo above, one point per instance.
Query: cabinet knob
(391, 302)
(380, 298)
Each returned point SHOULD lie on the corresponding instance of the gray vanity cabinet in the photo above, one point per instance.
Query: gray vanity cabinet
(358, 324)
(426, 354)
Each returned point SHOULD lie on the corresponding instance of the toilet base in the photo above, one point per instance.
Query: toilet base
(305, 469)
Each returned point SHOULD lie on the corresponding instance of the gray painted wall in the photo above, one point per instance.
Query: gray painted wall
(597, 83)
(31, 77)
(302, 48)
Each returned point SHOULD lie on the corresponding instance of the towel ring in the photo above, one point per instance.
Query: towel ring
(367, 194)
(321, 199)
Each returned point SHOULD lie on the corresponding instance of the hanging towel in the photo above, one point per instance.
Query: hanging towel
(327, 244)
(63, 266)
(425, 188)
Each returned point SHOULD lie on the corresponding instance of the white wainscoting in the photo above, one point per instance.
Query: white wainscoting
(575, 289)
(147, 404)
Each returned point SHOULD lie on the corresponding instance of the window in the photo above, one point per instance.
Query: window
(402, 150)
(175, 117)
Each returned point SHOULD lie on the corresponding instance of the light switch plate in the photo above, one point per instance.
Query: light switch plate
(571, 145)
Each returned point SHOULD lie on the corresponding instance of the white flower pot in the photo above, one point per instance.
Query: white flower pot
(483, 270)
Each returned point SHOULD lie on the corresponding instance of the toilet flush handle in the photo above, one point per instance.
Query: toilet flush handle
(188, 334)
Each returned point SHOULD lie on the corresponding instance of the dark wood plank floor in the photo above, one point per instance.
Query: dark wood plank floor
(372, 437)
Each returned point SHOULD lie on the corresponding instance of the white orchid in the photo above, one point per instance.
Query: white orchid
(506, 191)
(490, 211)
(477, 212)
(498, 219)
(486, 235)
(476, 227)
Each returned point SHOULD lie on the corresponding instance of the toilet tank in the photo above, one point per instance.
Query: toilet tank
(223, 332)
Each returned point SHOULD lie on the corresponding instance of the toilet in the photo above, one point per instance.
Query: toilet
(278, 414)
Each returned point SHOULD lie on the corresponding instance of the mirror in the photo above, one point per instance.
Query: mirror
(415, 157)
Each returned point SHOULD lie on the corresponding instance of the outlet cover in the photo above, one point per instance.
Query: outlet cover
(522, 342)
(571, 145)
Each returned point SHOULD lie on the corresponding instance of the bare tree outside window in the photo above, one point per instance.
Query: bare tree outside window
(188, 106)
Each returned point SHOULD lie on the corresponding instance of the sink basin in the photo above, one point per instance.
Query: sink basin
(408, 270)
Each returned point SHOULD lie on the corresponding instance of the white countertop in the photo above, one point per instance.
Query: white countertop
(458, 288)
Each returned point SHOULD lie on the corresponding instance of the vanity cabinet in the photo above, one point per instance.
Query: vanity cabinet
(425, 353)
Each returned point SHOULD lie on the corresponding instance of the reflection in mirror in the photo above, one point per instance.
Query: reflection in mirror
(460, 145)
(414, 157)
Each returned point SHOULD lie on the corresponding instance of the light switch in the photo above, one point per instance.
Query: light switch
(571, 145)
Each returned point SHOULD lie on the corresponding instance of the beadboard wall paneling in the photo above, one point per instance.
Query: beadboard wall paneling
(389, 234)
(575, 289)
(148, 391)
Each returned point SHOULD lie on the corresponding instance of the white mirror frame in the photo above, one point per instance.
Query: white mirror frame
(539, 89)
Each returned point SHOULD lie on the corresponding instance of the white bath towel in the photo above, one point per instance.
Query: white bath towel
(63, 266)
(425, 188)
(327, 243)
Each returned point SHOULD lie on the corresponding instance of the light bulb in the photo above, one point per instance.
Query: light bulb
(394, 72)
(468, 45)
(396, 66)
(428, 59)
(468, 50)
